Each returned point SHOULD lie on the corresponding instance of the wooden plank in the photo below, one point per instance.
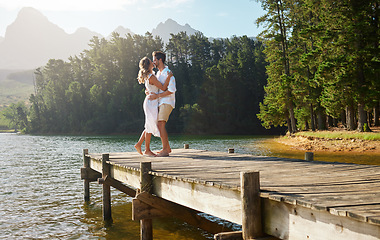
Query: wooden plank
(304, 194)
(229, 236)
(204, 198)
(287, 221)
(186, 214)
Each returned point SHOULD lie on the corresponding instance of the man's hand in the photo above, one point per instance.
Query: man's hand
(153, 96)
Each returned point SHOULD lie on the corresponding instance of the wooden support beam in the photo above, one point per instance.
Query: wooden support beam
(146, 225)
(89, 174)
(86, 164)
(106, 171)
(141, 210)
(118, 185)
(229, 236)
(251, 205)
(186, 214)
(238, 235)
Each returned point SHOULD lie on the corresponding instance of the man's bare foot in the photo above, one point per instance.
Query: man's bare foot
(149, 153)
(163, 154)
(138, 148)
(168, 151)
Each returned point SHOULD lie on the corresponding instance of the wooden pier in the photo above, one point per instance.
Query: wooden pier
(270, 197)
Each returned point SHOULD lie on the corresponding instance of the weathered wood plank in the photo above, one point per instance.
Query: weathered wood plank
(328, 195)
(186, 214)
(287, 221)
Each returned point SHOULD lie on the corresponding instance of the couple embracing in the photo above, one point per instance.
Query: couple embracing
(158, 104)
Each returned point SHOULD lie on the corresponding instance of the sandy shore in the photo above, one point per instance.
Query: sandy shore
(332, 145)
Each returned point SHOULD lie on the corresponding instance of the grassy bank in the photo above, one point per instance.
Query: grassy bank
(7, 131)
(370, 136)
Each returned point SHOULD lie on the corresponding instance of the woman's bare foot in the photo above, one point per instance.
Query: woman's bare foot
(149, 153)
(138, 148)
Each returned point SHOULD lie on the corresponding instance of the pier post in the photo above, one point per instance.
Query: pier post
(309, 156)
(86, 164)
(146, 225)
(251, 205)
(106, 171)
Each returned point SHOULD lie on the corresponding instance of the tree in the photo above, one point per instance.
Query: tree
(277, 33)
(16, 113)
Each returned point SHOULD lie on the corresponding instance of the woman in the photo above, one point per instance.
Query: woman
(152, 85)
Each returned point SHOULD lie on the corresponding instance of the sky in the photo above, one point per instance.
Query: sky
(214, 18)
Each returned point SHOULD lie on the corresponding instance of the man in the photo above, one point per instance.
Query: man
(166, 101)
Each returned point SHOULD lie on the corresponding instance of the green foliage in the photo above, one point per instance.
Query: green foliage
(219, 86)
(16, 114)
(323, 56)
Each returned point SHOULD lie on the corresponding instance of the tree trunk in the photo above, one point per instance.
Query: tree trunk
(312, 119)
(343, 117)
(289, 125)
(330, 122)
(321, 120)
(376, 115)
(362, 120)
(292, 118)
(350, 118)
(335, 122)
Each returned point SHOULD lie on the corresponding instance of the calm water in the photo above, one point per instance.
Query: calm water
(41, 193)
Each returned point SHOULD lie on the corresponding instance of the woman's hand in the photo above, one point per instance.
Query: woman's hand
(170, 74)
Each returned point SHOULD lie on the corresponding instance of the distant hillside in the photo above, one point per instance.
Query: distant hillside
(164, 30)
(15, 86)
(31, 40)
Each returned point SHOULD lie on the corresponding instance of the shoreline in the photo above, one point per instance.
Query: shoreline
(330, 145)
(352, 141)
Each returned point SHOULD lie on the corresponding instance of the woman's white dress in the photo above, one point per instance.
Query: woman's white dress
(151, 110)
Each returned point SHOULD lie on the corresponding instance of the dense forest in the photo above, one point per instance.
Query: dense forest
(316, 65)
(323, 63)
(219, 87)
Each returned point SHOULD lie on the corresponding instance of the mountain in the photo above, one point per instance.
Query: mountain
(163, 30)
(31, 40)
(122, 31)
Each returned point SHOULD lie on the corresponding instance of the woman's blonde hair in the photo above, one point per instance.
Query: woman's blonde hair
(144, 70)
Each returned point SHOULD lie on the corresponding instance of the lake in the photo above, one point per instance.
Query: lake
(42, 194)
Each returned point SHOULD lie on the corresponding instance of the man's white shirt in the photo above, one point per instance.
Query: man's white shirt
(161, 76)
